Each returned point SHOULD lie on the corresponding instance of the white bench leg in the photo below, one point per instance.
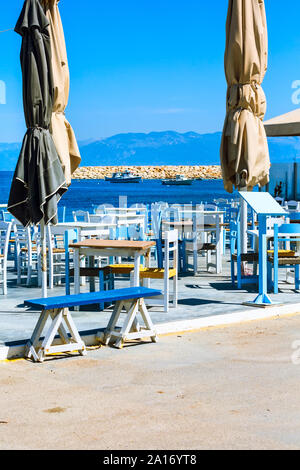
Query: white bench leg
(47, 347)
(129, 329)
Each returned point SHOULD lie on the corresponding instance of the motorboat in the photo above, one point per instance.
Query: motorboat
(180, 180)
(125, 177)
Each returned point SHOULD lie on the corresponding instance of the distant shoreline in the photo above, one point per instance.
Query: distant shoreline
(209, 172)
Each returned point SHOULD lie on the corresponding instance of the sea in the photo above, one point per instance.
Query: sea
(89, 194)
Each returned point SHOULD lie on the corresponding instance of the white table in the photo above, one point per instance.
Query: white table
(110, 248)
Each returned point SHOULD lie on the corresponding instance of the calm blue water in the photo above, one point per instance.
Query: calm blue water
(86, 194)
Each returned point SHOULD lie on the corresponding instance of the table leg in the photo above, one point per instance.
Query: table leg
(136, 273)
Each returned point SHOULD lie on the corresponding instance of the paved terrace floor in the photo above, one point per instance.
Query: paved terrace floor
(203, 296)
(223, 388)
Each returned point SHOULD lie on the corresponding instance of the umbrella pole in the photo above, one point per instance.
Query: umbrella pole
(244, 223)
(44, 259)
(244, 213)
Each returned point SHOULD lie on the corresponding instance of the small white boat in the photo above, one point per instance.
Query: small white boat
(180, 180)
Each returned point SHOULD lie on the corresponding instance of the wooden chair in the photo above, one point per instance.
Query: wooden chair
(5, 229)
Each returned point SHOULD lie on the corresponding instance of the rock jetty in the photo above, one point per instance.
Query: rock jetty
(150, 172)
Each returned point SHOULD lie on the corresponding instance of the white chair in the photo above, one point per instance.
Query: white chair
(81, 216)
(168, 256)
(5, 229)
(204, 239)
(27, 248)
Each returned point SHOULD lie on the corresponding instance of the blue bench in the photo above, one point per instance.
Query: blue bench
(57, 309)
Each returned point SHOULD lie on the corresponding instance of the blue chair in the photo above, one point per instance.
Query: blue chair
(279, 259)
(295, 216)
(237, 257)
(7, 217)
(61, 213)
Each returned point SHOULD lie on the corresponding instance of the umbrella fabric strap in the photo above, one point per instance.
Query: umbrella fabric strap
(38, 128)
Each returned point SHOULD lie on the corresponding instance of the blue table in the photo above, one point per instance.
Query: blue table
(264, 205)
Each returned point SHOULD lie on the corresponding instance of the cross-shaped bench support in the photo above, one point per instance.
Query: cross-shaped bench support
(38, 349)
(131, 329)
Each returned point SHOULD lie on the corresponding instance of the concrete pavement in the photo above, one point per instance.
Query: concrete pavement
(221, 388)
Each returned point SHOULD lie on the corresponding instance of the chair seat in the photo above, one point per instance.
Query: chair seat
(155, 273)
(55, 250)
(120, 268)
(200, 247)
(288, 261)
(249, 257)
(283, 253)
(87, 272)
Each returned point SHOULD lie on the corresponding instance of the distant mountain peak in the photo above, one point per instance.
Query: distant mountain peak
(156, 148)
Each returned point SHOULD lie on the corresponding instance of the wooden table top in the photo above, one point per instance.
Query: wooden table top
(102, 244)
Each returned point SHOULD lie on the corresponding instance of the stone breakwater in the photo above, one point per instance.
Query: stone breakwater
(150, 172)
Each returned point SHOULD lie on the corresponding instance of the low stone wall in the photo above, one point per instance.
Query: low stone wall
(150, 172)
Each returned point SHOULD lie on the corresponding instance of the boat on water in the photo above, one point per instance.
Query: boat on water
(125, 177)
(180, 180)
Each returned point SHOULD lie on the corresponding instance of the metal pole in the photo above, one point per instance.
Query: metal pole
(44, 259)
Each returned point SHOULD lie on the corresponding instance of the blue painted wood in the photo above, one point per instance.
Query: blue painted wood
(91, 298)
(263, 204)
(283, 229)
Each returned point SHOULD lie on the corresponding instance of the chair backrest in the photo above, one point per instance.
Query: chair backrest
(271, 221)
(280, 200)
(167, 249)
(5, 229)
(235, 237)
(23, 238)
(137, 231)
(6, 216)
(61, 213)
(81, 216)
(96, 218)
(156, 219)
(100, 233)
(288, 228)
(171, 214)
(210, 207)
(293, 205)
(102, 209)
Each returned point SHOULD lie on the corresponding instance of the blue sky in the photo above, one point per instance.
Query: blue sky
(142, 66)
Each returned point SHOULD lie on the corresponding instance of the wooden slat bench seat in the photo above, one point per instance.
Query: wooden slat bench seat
(247, 257)
(288, 261)
(57, 309)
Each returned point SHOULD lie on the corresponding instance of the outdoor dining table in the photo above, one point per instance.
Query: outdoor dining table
(82, 226)
(110, 248)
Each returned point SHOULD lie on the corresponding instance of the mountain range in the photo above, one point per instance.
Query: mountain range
(157, 148)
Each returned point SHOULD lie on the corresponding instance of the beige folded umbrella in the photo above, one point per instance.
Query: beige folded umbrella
(244, 149)
(285, 125)
(62, 132)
